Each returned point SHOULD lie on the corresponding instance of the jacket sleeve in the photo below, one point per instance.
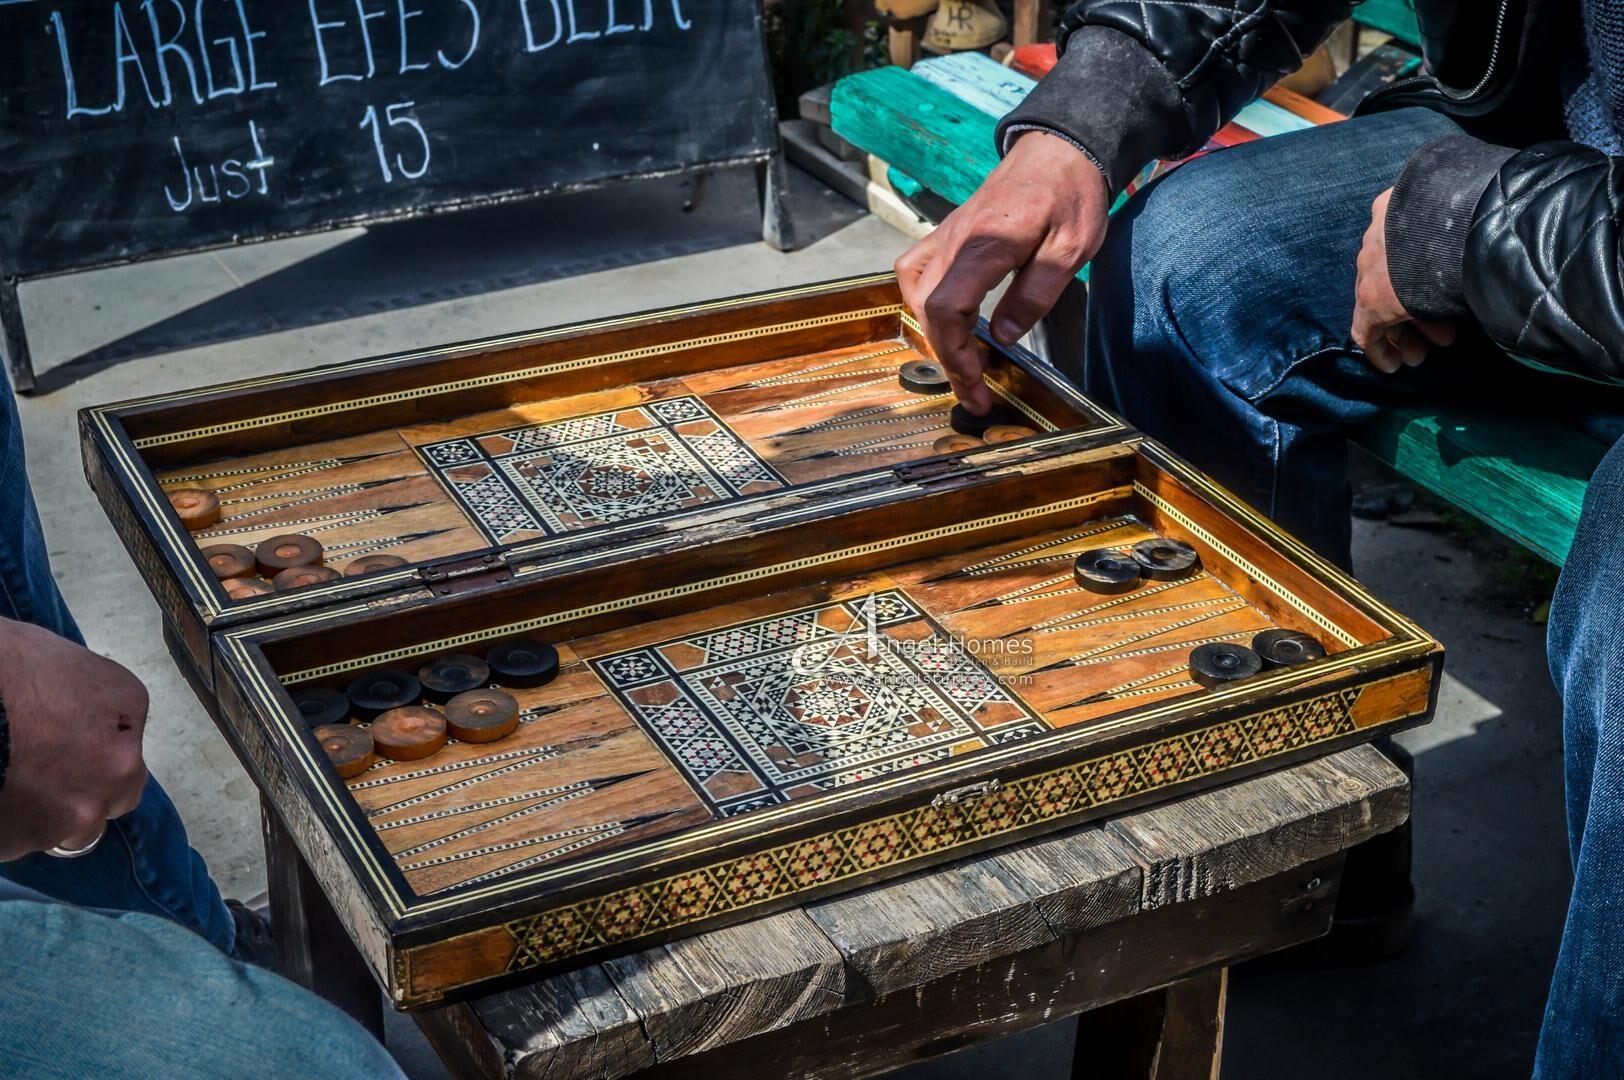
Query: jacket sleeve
(1144, 79)
(1526, 242)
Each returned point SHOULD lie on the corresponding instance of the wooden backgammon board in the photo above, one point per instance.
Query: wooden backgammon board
(553, 646)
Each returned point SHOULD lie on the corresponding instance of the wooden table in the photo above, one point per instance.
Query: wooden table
(1132, 923)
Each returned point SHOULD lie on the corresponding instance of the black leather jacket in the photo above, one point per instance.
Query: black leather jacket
(1509, 223)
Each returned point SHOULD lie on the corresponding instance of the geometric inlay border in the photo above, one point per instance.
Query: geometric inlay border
(633, 463)
(746, 881)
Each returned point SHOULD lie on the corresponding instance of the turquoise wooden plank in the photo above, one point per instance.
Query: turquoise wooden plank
(903, 184)
(978, 80)
(1525, 477)
(1396, 17)
(917, 128)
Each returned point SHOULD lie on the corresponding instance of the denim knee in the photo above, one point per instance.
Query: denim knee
(86, 994)
(1590, 591)
(1176, 279)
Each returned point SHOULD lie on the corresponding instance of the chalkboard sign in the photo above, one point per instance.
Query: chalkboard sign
(132, 128)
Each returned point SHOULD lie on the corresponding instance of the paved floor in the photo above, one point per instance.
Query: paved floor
(1491, 864)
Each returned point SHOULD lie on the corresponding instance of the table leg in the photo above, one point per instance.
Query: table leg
(14, 338)
(316, 950)
(1176, 1033)
(772, 191)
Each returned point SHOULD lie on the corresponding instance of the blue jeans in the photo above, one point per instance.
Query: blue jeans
(1218, 321)
(120, 962)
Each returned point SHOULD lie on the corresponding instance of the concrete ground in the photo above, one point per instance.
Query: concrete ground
(1491, 865)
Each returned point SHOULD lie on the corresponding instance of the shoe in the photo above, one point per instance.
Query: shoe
(256, 941)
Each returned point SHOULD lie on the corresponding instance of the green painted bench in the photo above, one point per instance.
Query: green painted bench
(933, 125)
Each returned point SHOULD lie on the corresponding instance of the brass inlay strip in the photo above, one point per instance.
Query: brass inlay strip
(908, 836)
(495, 378)
(531, 337)
(688, 589)
(1251, 568)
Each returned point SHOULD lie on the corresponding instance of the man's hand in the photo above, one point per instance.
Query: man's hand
(76, 721)
(1381, 326)
(1040, 215)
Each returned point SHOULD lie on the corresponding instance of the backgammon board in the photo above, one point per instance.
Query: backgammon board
(715, 625)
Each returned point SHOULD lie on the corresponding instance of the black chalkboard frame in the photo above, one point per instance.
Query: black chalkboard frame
(760, 149)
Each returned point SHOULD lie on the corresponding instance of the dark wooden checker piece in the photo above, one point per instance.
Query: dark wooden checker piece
(299, 577)
(923, 377)
(196, 508)
(522, 663)
(247, 588)
(1220, 662)
(483, 715)
(320, 706)
(1106, 570)
(372, 564)
(227, 561)
(445, 677)
(1163, 559)
(1282, 648)
(965, 422)
(284, 552)
(408, 733)
(372, 693)
(348, 747)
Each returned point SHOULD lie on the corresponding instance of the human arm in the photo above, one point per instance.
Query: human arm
(74, 724)
(1134, 82)
(1528, 243)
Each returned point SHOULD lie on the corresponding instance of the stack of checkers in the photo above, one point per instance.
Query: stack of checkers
(1112, 570)
(969, 430)
(289, 561)
(404, 716)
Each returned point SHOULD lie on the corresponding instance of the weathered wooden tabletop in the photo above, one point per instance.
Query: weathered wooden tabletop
(944, 959)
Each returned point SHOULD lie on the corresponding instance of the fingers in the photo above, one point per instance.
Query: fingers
(1035, 290)
(1408, 343)
(1381, 354)
(1369, 337)
(910, 268)
(1439, 333)
(127, 780)
(954, 305)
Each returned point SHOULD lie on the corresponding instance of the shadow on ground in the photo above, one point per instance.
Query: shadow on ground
(449, 256)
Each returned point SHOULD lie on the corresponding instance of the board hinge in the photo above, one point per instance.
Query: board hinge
(462, 575)
(930, 470)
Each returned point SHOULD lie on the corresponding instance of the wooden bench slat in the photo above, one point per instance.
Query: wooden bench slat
(922, 927)
(573, 1026)
(1526, 479)
(731, 984)
(1079, 880)
(752, 984)
(1019, 992)
(918, 128)
(1203, 845)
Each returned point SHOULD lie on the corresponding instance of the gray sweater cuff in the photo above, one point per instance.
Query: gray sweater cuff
(1109, 97)
(1428, 218)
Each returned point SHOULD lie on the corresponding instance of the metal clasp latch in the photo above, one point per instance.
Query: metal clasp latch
(461, 575)
(967, 793)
